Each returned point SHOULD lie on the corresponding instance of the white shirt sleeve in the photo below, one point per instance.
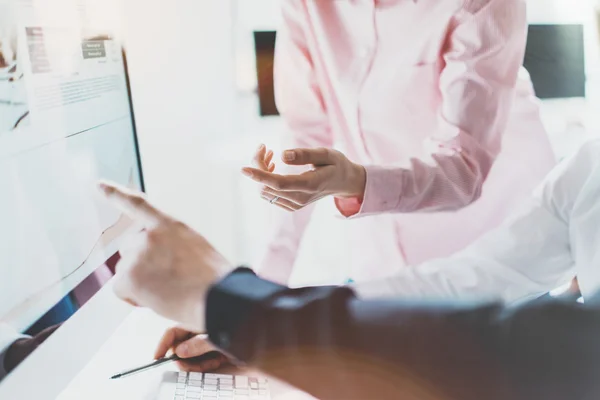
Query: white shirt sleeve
(7, 337)
(529, 255)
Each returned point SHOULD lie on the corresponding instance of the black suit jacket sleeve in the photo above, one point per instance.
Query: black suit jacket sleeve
(334, 346)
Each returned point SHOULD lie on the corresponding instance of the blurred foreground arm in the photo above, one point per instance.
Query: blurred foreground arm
(332, 345)
(335, 346)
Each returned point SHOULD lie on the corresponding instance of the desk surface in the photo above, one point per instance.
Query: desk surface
(133, 344)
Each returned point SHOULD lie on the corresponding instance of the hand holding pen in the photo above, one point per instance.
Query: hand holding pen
(192, 352)
(210, 358)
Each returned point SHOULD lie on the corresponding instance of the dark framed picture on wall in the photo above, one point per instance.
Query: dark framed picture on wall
(264, 42)
(555, 59)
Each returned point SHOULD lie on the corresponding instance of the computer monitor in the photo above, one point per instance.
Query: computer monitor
(555, 59)
(66, 121)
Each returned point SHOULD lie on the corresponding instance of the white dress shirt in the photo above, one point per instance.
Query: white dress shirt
(7, 337)
(553, 238)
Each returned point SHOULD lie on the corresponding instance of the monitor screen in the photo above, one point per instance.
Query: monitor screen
(555, 59)
(66, 122)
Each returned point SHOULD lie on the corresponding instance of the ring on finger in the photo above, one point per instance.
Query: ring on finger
(274, 200)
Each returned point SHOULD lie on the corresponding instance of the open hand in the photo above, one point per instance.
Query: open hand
(332, 175)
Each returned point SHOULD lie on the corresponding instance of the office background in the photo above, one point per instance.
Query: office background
(194, 79)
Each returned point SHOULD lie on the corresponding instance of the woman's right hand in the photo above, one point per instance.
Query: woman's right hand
(189, 346)
(330, 173)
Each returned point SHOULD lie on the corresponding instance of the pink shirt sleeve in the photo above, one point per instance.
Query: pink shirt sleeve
(484, 52)
(302, 108)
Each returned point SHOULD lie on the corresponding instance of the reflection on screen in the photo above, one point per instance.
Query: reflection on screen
(65, 123)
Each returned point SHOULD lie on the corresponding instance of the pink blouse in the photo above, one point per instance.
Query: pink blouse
(429, 95)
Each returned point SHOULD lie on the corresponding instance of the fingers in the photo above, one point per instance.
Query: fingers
(132, 244)
(122, 286)
(296, 199)
(268, 159)
(171, 338)
(194, 347)
(131, 203)
(317, 157)
(283, 203)
(305, 182)
(259, 157)
(263, 159)
(203, 366)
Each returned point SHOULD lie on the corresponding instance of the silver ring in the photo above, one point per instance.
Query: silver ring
(274, 200)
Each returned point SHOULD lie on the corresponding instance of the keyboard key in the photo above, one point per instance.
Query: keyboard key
(196, 376)
(179, 398)
(192, 382)
(263, 386)
(193, 395)
(180, 386)
(208, 381)
(225, 387)
(209, 394)
(181, 380)
(183, 374)
(195, 389)
(253, 385)
(226, 382)
(179, 392)
(241, 391)
(221, 376)
(212, 388)
(241, 381)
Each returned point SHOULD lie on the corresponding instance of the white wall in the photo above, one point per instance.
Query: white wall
(570, 122)
(181, 65)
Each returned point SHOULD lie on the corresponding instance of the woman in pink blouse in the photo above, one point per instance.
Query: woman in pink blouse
(436, 120)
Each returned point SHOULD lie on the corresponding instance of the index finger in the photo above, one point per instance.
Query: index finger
(131, 203)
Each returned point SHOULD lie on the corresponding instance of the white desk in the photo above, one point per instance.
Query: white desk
(133, 344)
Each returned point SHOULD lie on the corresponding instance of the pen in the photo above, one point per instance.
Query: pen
(153, 364)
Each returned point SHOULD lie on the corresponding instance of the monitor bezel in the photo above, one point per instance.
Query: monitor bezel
(133, 121)
(69, 349)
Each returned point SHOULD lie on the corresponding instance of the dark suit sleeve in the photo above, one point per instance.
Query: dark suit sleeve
(334, 346)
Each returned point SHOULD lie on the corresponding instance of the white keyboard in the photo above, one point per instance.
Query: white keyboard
(195, 385)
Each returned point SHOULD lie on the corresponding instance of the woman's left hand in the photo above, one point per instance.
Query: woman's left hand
(332, 175)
